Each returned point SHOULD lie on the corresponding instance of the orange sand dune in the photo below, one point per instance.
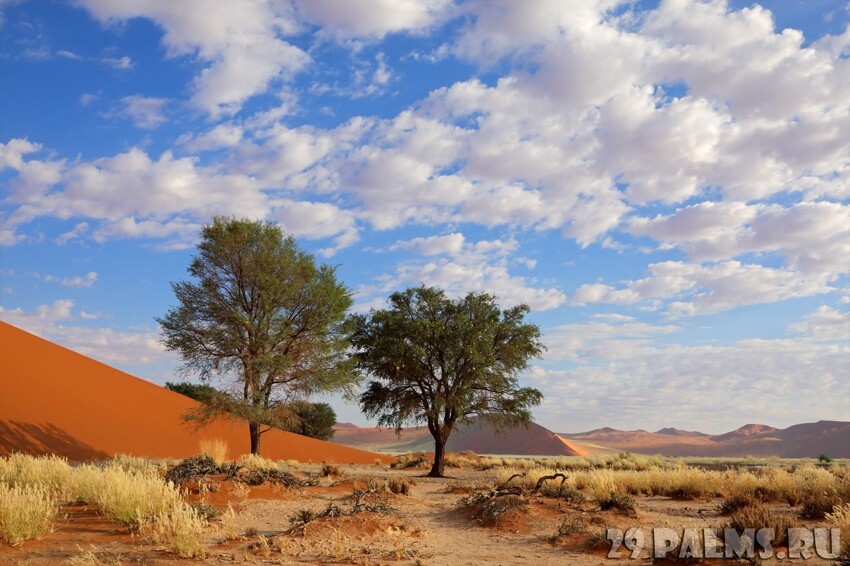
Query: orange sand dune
(55, 401)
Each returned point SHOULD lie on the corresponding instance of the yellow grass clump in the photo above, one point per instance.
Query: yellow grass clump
(130, 499)
(841, 516)
(26, 512)
(215, 448)
(178, 529)
(48, 472)
(254, 462)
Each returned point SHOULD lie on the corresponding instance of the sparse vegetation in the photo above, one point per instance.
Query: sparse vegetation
(216, 449)
(26, 512)
(493, 511)
(570, 526)
(331, 470)
(193, 468)
(757, 516)
(400, 486)
(406, 461)
(841, 517)
(178, 529)
(94, 557)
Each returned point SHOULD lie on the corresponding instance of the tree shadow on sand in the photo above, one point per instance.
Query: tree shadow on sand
(35, 439)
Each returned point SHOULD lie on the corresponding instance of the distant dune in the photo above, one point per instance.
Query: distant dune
(808, 440)
(55, 401)
(478, 437)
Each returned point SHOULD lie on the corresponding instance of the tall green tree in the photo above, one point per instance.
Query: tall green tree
(442, 361)
(262, 315)
(315, 420)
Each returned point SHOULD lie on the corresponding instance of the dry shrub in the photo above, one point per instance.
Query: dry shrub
(193, 468)
(269, 475)
(817, 506)
(215, 448)
(736, 502)
(406, 461)
(94, 557)
(465, 460)
(571, 526)
(179, 530)
(331, 470)
(400, 485)
(758, 516)
(598, 538)
(841, 516)
(494, 510)
(26, 512)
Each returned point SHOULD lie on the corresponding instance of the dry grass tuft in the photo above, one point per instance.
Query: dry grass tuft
(131, 499)
(94, 557)
(26, 512)
(179, 530)
(331, 470)
(215, 448)
(48, 472)
(400, 486)
(841, 516)
(757, 516)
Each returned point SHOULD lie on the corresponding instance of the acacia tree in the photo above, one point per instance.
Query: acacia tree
(262, 314)
(445, 361)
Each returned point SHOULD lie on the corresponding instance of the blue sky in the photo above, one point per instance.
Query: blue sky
(667, 185)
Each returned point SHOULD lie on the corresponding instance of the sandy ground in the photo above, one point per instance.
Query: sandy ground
(424, 527)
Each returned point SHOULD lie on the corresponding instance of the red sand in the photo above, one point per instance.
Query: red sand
(55, 401)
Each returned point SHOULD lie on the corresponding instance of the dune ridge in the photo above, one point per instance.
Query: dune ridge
(56, 401)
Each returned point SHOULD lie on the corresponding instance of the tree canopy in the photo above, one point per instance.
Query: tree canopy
(261, 314)
(442, 361)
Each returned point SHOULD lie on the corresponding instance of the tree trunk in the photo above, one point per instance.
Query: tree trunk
(439, 457)
(254, 430)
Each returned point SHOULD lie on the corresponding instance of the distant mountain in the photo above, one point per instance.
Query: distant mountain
(678, 432)
(746, 432)
(807, 440)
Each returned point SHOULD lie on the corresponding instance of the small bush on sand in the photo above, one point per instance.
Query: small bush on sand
(598, 538)
(193, 468)
(331, 470)
(494, 510)
(735, 502)
(570, 526)
(269, 475)
(179, 530)
(841, 516)
(817, 506)
(26, 512)
(400, 485)
(623, 504)
(406, 461)
(758, 516)
(215, 448)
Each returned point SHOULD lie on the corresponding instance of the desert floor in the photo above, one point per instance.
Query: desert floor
(426, 526)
